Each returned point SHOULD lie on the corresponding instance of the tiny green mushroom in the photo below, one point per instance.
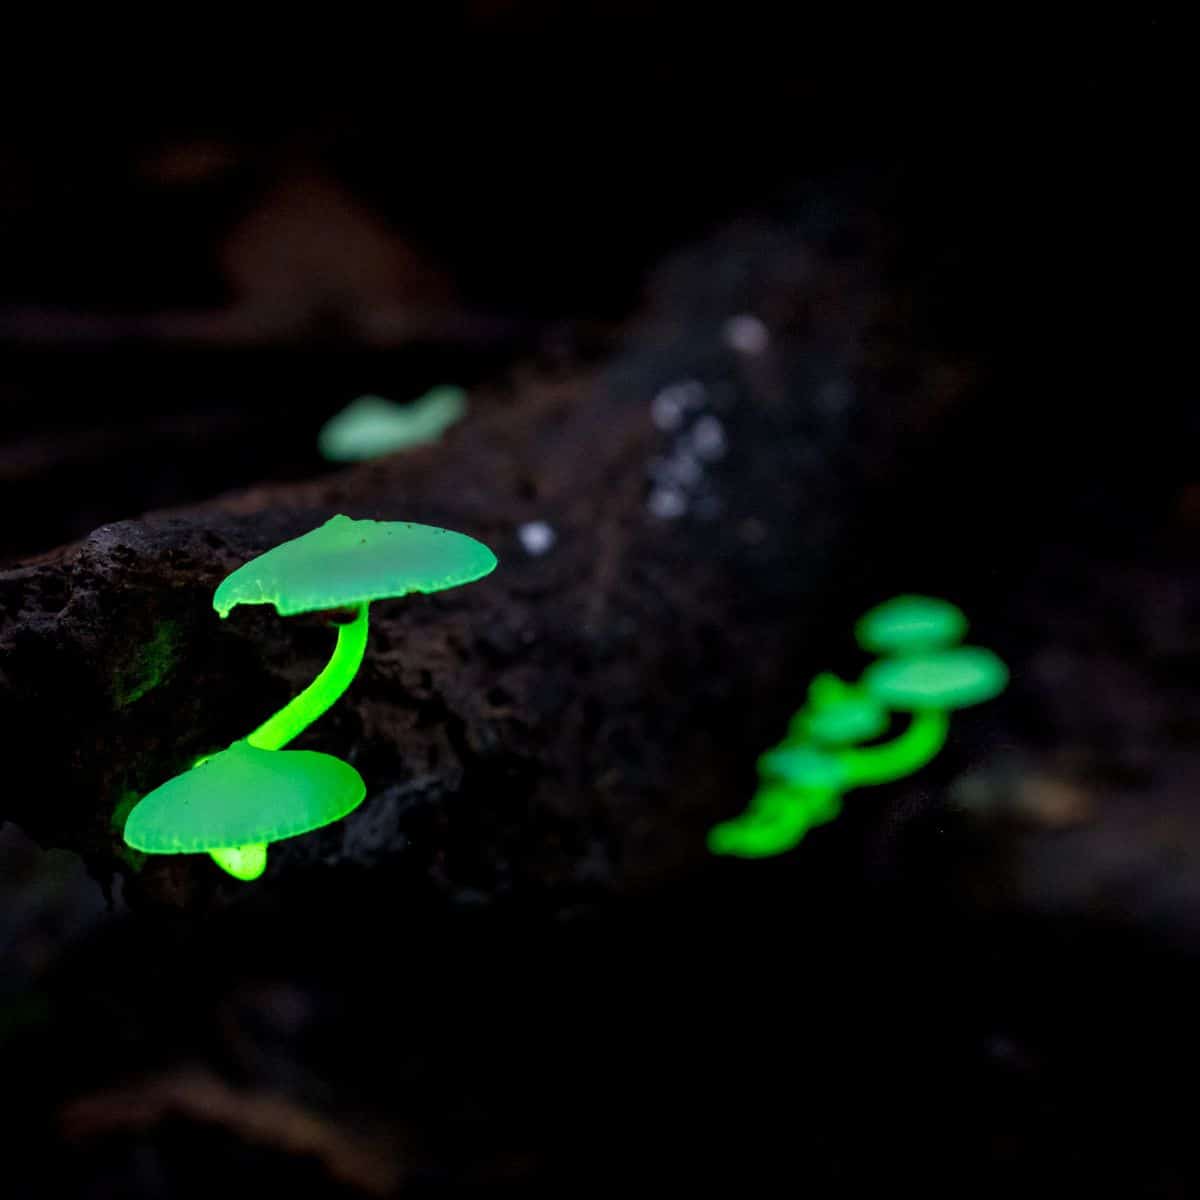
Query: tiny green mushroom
(829, 748)
(801, 787)
(778, 818)
(803, 766)
(928, 686)
(346, 564)
(910, 625)
(237, 801)
(945, 679)
(837, 714)
(372, 426)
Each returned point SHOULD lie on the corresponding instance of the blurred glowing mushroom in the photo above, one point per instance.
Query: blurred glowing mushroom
(371, 426)
(838, 714)
(830, 747)
(911, 625)
(928, 686)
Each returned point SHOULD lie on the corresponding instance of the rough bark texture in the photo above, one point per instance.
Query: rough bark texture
(574, 722)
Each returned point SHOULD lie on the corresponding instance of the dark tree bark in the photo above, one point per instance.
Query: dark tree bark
(572, 724)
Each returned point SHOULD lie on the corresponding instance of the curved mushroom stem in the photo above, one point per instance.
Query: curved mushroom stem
(924, 737)
(299, 713)
(242, 862)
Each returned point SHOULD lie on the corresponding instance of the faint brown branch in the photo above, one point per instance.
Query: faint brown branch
(373, 1167)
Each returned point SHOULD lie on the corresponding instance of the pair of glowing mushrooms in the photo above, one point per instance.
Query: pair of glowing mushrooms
(830, 745)
(233, 804)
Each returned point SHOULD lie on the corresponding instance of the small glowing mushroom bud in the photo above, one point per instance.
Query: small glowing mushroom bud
(838, 714)
(801, 787)
(346, 564)
(911, 625)
(802, 766)
(778, 818)
(236, 802)
(372, 426)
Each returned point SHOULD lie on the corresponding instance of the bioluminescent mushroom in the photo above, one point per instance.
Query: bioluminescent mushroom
(372, 426)
(235, 802)
(929, 687)
(345, 564)
(838, 714)
(778, 818)
(342, 565)
(937, 682)
(802, 787)
(803, 766)
(824, 755)
(910, 625)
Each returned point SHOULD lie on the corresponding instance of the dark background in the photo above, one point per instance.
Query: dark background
(504, 171)
(935, 1008)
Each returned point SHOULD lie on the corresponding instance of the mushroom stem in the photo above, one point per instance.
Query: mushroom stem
(924, 737)
(300, 712)
(242, 862)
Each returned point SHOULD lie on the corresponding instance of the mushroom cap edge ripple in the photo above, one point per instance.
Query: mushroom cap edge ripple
(347, 562)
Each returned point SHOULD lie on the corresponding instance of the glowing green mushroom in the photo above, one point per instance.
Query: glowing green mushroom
(236, 802)
(372, 426)
(259, 793)
(803, 766)
(778, 817)
(801, 787)
(829, 747)
(929, 686)
(911, 625)
(838, 714)
(943, 680)
(346, 564)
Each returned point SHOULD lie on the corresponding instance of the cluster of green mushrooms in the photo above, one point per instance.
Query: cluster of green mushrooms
(234, 803)
(832, 742)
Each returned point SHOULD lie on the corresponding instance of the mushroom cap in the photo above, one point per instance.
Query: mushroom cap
(943, 679)
(372, 426)
(802, 766)
(838, 714)
(244, 795)
(910, 625)
(346, 562)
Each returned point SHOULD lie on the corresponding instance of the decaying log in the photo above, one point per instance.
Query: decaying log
(574, 722)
